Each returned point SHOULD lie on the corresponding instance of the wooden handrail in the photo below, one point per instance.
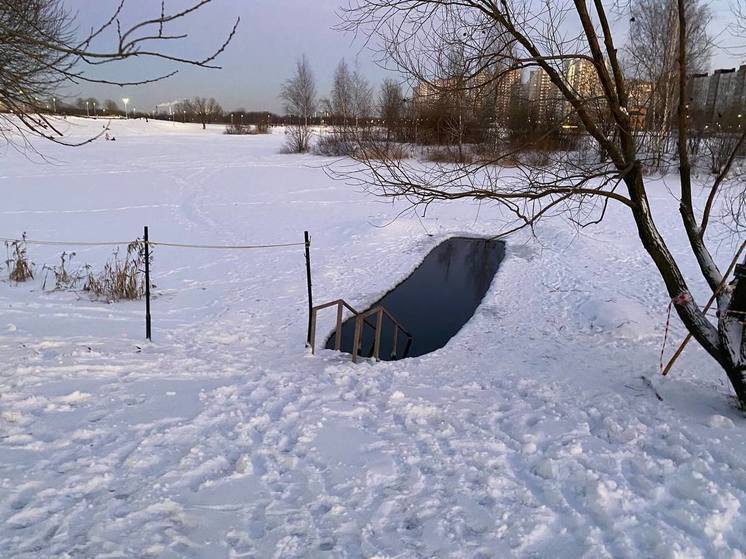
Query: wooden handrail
(380, 312)
(341, 304)
(391, 318)
(360, 320)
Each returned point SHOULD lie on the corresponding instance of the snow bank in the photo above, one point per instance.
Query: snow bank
(618, 317)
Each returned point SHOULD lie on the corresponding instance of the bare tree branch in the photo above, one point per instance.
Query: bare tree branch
(42, 51)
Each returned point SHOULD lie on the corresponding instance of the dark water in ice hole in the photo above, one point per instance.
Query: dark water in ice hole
(435, 301)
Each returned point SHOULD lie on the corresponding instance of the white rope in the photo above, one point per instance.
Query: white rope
(64, 243)
(151, 243)
(181, 245)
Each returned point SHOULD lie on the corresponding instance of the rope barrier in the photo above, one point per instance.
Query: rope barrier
(689, 336)
(151, 243)
(679, 300)
(147, 244)
(65, 243)
(239, 247)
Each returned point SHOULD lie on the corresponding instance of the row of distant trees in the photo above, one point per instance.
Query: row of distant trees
(453, 113)
(90, 106)
(204, 110)
(351, 107)
(463, 105)
(201, 110)
(84, 106)
(478, 110)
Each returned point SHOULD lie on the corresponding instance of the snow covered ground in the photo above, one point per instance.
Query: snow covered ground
(531, 434)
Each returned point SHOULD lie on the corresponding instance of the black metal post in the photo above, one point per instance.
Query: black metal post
(148, 332)
(308, 281)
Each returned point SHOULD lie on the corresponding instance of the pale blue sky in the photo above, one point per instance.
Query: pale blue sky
(272, 34)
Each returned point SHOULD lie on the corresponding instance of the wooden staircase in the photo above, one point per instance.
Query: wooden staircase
(361, 320)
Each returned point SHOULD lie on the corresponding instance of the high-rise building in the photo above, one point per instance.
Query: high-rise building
(582, 78)
(507, 90)
(697, 90)
(467, 94)
(739, 90)
(424, 94)
(543, 96)
(721, 94)
(639, 94)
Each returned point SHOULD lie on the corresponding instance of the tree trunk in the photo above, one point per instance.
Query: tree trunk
(690, 314)
(735, 375)
(732, 329)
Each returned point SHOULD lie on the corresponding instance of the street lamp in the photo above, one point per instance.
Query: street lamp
(87, 112)
(54, 105)
(125, 100)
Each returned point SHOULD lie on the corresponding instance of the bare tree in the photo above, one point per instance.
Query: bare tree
(529, 35)
(42, 51)
(299, 95)
(342, 100)
(652, 56)
(111, 107)
(733, 184)
(87, 106)
(391, 108)
(201, 109)
(362, 98)
(350, 105)
(738, 23)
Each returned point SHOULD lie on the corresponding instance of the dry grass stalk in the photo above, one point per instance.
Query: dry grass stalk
(64, 278)
(20, 268)
(121, 278)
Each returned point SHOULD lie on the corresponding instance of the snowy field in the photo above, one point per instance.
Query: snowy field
(531, 434)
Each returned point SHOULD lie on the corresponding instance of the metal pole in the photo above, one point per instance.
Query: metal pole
(148, 332)
(308, 281)
(312, 335)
